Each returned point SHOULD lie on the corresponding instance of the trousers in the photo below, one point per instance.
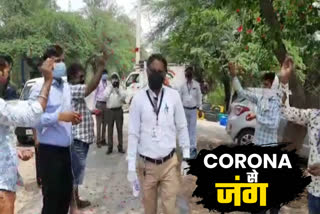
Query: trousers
(57, 179)
(164, 176)
(191, 116)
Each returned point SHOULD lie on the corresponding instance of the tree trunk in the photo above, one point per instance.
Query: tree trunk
(267, 12)
(293, 133)
(227, 91)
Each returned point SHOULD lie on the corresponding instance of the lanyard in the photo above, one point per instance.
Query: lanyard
(189, 88)
(156, 110)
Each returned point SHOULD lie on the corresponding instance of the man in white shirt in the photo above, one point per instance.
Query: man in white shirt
(191, 96)
(115, 97)
(156, 118)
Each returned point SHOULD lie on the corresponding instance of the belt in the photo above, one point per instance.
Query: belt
(53, 148)
(116, 109)
(159, 161)
(101, 102)
(191, 108)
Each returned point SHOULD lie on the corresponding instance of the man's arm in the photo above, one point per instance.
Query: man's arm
(52, 118)
(107, 92)
(93, 84)
(182, 127)
(46, 119)
(199, 101)
(134, 134)
(122, 95)
(27, 113)
(252, 97)
(298, 116)
(46, 70)
(97, 92)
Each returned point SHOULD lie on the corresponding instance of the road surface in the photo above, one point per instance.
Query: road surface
(106, 185)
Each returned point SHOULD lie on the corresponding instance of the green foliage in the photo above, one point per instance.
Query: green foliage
(217, 97)
(29, 26)
(212, 33)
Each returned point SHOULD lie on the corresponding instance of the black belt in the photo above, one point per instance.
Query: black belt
(159, 161)
(191, 108)
(101, 102)
(115, 109)
(53, 148)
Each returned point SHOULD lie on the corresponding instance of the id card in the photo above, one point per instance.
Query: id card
(156, 134)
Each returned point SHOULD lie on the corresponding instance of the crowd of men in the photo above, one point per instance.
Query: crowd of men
(64, 129)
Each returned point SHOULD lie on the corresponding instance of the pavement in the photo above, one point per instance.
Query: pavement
(108, 190)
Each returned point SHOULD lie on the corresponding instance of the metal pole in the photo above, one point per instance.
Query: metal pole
(138, 32)
(23, 78)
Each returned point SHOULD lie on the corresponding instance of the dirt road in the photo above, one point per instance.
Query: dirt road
(106, 185)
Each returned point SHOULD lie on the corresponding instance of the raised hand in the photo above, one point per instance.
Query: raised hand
(232, 69)
(47, 68)
(286, 70)
(314, 169)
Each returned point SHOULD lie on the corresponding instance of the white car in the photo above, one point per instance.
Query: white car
(242, 131)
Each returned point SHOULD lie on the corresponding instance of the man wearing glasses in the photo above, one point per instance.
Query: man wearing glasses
(156, 118)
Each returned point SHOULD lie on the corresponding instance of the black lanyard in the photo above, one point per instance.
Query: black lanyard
(156, 110)
(189, 88)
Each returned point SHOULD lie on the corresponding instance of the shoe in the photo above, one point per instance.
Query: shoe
(80, 204)
(83, 204)
(103, 143)
(121, 151)
(98, 144)
(109, 152)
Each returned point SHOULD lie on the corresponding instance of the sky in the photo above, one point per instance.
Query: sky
(128, 7)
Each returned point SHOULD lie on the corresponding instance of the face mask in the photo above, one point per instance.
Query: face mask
(59, 70)
(155, 80)
(189, 75)
(115, 84)
(104, 77)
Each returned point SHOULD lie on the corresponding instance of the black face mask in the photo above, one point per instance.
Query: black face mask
(116, 84)
(155, 80)
(189, 76)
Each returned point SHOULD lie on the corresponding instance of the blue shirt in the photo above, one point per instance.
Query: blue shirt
(50, 131)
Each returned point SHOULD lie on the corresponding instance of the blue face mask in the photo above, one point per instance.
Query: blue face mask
(59, 70)
(104, 77)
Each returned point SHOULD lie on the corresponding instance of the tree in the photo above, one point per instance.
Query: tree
(35, 24)
(264, 32)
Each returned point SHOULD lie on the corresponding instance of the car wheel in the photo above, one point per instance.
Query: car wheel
(245, 137)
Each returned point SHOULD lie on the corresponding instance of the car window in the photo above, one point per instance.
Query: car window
(26, 92)
(134, 78)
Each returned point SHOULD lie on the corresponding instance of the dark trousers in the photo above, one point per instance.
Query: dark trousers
(313, 204)
(56, 175)
(37, 165)
(102, 121)
(115, 116)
